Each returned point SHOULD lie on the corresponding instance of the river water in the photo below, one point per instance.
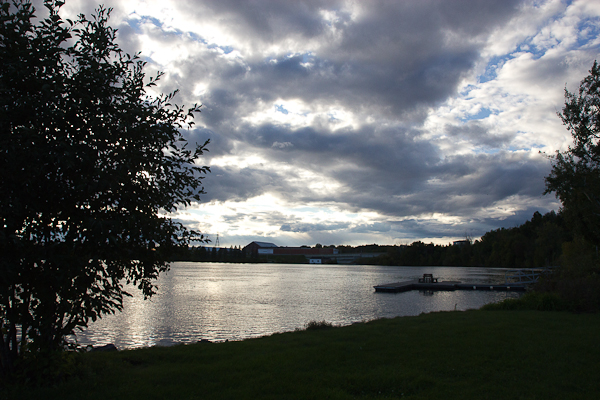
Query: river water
(222, 301)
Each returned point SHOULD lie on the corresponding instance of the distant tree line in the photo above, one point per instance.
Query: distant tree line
(536, 243)
(213, 254)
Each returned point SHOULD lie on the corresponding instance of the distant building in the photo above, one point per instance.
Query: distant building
(259, 248)
(461, 242)
(313, 255)
(265, 248)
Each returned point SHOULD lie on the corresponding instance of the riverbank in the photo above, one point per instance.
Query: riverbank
(472, 354)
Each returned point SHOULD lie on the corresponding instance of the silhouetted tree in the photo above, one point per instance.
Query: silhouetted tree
(575, 176)
(90, 164)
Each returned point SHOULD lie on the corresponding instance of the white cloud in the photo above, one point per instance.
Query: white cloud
(340, 122)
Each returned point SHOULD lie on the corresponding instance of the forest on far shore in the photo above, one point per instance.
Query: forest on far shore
(536, 243)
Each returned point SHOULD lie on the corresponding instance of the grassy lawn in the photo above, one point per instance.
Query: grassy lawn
(474, 354)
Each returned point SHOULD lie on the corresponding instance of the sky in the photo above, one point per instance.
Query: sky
(358, 122)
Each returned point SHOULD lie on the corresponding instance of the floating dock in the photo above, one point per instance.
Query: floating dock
(398, 287)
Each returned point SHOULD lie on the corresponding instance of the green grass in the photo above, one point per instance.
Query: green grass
(540, 301)
(451, 355)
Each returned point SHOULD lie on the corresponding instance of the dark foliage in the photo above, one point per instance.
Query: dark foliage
(317, 325)
(575, 176)
(212, 254)
(575, 180)
(535, 244)
(90, 165)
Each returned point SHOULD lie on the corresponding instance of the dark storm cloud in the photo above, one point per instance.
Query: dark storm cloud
(377, 227)
(383, 149)
(479, 134)
(458, 186)
(307, 227)
(218, 144)
(394, 172)
(413, 229)
(271, 218)
(229, 183)
(266, 21)
(362, 84)
(374, 162)
(408, 230)
(498, 175)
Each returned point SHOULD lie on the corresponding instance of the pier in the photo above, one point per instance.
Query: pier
(430, 283)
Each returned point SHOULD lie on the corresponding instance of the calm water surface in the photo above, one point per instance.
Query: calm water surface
(220, 301)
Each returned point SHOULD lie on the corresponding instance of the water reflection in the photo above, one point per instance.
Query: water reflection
(219, 301)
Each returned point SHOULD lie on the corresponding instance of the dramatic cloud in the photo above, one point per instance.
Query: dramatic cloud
(344, 122)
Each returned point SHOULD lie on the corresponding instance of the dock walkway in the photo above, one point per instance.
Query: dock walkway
(397, 287)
